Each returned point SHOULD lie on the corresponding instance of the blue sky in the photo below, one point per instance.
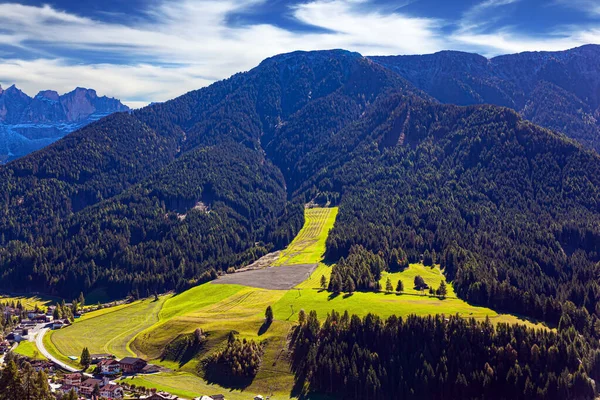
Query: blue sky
(153, 50)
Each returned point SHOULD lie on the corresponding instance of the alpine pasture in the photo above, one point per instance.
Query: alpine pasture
(144, 328)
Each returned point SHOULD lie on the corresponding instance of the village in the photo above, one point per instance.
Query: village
(21, 325)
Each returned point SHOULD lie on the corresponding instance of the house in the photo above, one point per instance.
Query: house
(66, 389)
(111, 391)
(58, 324)
(96, 358)
(87, 387)
(42, 365)
(131, 365)
(72, 379)
(217, 397)
(162, 396)
(109, 367)
(150, 369)
(258, 397)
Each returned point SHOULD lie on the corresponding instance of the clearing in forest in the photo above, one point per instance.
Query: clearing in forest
(146, 327)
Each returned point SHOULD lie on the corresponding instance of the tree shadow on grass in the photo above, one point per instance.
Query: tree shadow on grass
(215, 374)
(332, 296)
(346, 295)
(264, 327)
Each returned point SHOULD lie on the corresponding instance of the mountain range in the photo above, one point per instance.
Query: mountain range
(28, 124)
(161, 197)
(556, 90)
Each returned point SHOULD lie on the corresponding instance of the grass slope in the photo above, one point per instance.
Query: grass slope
(309, 246)
(108, 330)
(145, 328)
(30, 350)
(31, 302)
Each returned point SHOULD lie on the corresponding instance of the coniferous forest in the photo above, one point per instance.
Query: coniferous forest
(439, 358)
(168, 196)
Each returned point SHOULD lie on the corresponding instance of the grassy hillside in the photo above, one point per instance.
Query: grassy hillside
(30, 350)
(146, 327)
(108, 330)
(308, 247)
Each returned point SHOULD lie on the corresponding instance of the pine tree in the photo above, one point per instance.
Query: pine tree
(96, 392)
(443, 290)
(42, 388)
(86, 358)
(323, 282)
(269, 314)
(71, 395)
(302, 317)
(400, 286)
(388, 286)
(350, 286)
(11, 386)
(420, 283)
(81, 299)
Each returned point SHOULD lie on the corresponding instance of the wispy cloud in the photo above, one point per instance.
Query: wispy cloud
(179, 46)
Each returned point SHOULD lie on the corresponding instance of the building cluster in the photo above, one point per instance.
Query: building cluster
(85, 387)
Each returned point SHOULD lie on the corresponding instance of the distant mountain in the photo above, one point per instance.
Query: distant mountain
(557, 90)
(28, 124)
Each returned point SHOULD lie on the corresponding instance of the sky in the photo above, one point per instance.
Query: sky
(143, 51)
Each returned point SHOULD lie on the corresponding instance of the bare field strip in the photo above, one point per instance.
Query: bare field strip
(277, 278)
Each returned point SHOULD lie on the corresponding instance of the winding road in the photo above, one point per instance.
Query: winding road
(39, 341)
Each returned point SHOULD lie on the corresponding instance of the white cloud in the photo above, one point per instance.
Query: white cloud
(590, 6)
(194, 40)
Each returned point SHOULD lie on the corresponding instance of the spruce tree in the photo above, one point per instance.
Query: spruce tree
(269, 314)
(86, 358)
(400, 286)
(388, 286)
(443, 290)
(323, 282)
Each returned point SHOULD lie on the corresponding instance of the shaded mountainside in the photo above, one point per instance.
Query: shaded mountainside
(557, 90)
(217, 177)
(28, 124)
(46, 194)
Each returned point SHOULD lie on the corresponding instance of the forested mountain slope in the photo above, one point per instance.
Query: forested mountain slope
(160, 148)
(557, 90)
(217, 177)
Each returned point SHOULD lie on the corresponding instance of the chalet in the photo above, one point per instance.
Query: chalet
(213, 397)
(258, 397)
(42, 365)
(72, 379)
(162, 396)
(87, 387)
(66, 389)
(150, 369)
(111, 391)
(131, 365)
(96, 358)
(109, 367)
(59, 323)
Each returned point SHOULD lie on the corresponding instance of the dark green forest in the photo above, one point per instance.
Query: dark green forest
(439, 358)
(170, 195)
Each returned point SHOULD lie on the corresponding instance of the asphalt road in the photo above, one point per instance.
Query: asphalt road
(39, 341)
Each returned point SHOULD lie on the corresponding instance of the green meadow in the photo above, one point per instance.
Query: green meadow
(30, 350)
(145, 327)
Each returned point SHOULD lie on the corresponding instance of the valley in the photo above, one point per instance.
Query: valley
(146, 327)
